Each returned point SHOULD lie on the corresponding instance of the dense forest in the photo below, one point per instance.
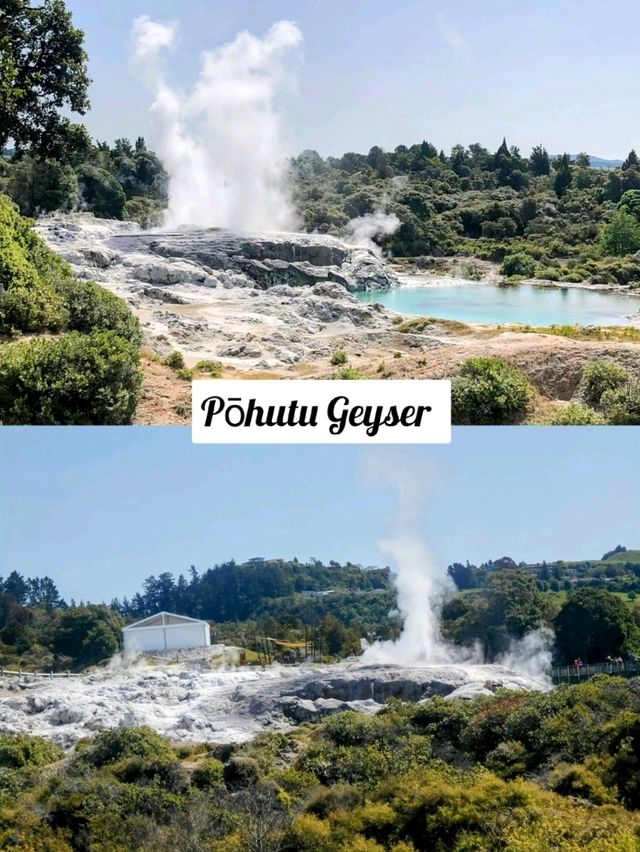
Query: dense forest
(125, 181)
(509, 771)
(590, 607)
(556, 218)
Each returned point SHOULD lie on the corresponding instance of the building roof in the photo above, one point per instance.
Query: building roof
(164, 619)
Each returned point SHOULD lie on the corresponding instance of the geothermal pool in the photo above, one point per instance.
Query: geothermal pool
(528, 304)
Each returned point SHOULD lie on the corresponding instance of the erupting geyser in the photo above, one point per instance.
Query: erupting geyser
(221, 141)
(421, 587)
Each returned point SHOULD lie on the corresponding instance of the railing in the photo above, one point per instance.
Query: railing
(26, 675)
(576, 674)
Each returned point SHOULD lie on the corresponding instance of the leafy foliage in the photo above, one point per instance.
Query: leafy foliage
(489, 391)
(513, 770)
(74, 379)
(42, 71)
(87, 634)
(594, 624)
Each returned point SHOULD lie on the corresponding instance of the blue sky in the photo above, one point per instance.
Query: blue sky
(100, 509)
(564, 73)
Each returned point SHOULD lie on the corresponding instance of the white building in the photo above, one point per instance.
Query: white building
(165, 631)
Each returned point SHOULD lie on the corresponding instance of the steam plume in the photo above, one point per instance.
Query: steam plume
(221, 141)
(362, 230)
(421, 587)
(420, 584)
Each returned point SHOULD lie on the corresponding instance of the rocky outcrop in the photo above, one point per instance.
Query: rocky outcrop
(296, 260)
(252, 301)
(229, 704)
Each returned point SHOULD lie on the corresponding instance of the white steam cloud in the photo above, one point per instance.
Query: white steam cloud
(362, 230)
(221, 141)
(421, 586)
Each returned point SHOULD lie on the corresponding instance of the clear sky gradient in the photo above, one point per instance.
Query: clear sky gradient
(561, 72)
(100, 509)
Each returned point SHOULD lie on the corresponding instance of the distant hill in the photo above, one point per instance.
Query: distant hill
(601, 163)
(624, 556)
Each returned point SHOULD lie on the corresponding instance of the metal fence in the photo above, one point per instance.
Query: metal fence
(576, 674)
(26, 675)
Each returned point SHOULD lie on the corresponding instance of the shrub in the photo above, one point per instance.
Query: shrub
(28, 301)
(208, 774)
(338, 357)
(241, 771)
(489, 391)
(32, 309)
(20, 750)
(521, 264)
(621, 406)
(575, 780)
(112, 746)
(214, 368)
(175, 360)
(145, 211)
(347, 373)
(599, 377)
(576, 414)
(92, 307)
(74, 379)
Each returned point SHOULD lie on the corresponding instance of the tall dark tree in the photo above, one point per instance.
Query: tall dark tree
(563, 176)
(43, 72)
(631, 162)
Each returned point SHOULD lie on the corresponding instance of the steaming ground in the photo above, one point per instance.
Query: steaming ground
(233, 705)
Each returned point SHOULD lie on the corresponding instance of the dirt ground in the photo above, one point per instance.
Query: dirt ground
(554, 365)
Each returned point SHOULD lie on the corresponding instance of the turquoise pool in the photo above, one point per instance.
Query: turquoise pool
(525, 303)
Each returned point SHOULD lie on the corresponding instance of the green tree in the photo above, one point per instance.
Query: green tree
(593, 624)
(622, 235)
(539, 162)
(563, 177)
(88, 634)
(630, 202)
(40, 186)
(43, 71)
(102, 192)
(631, 162)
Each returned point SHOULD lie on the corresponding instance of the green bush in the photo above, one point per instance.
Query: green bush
(599, 377)
(74, 379)
(347, 373)
(28, 299)
(102, 192)
(489, 391)
(240, 771)
(145, 211)
(112, 746)
(520, 264)
(576, 780)
(576, 414)
(214, 368)
(621, 406)
(208, 774)
(20, 750)
(338, 358)
(175, 360)
(32, 309)
(91, 307)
